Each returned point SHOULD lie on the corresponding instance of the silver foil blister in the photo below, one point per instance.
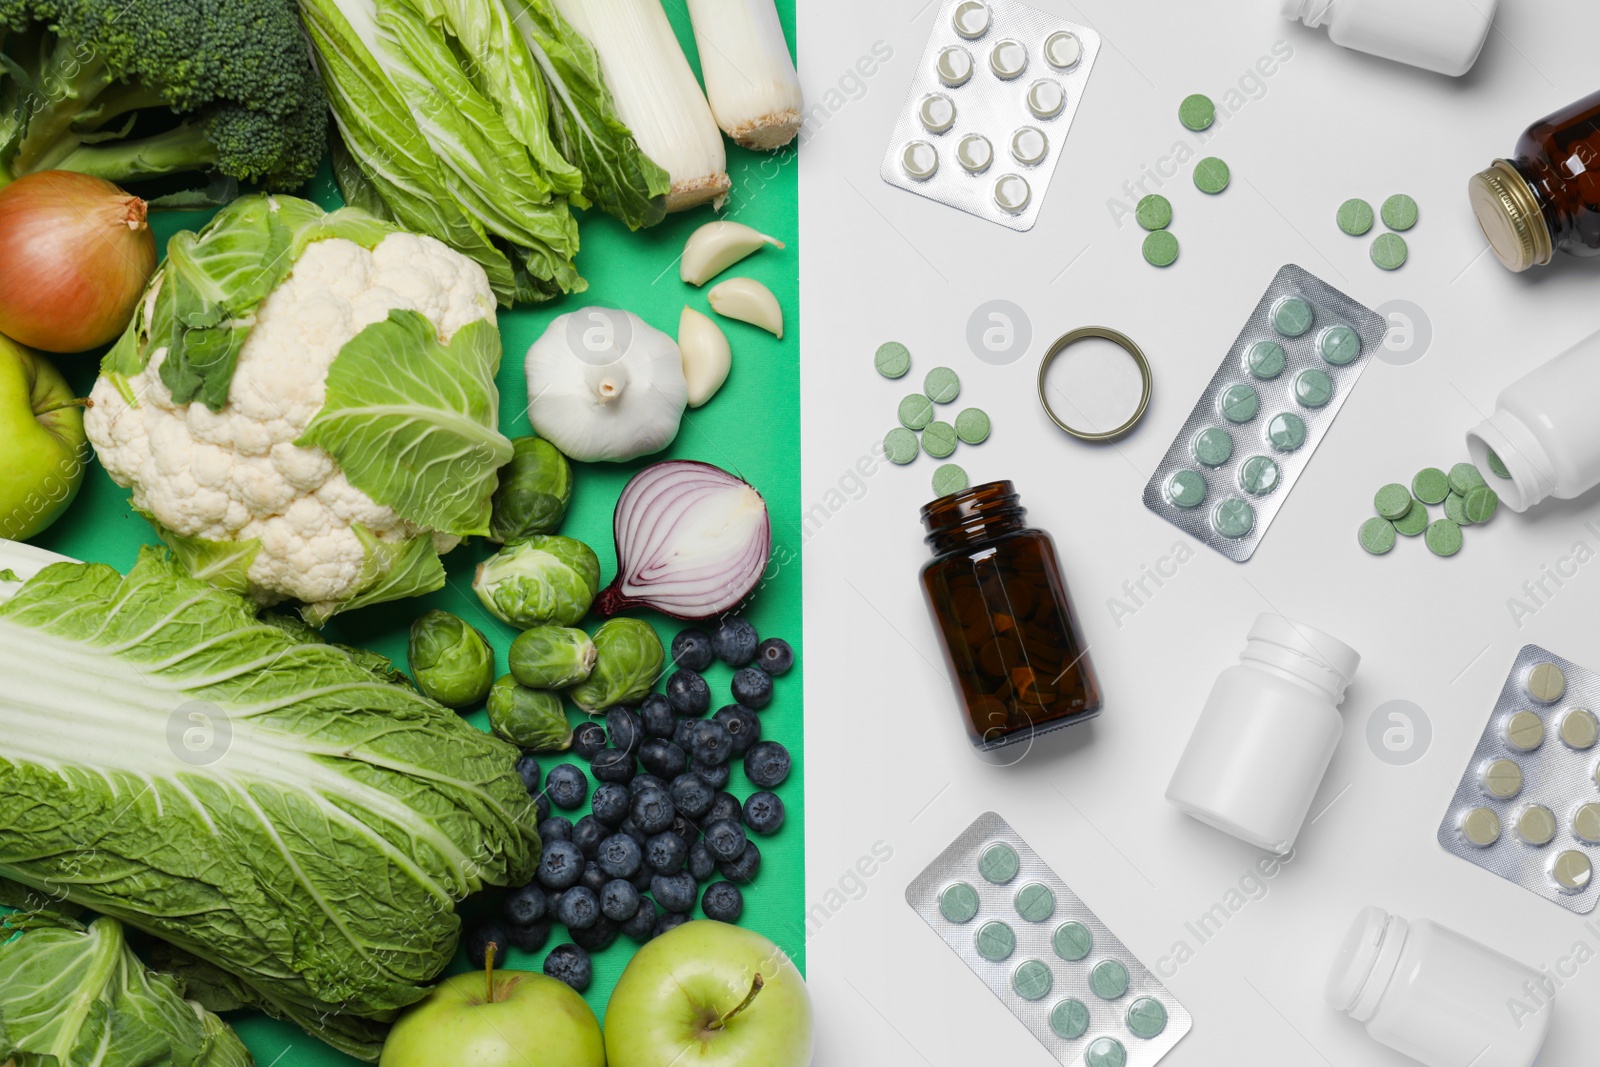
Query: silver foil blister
(1117, 1019)
(1555, 775)
(1263, 438)
(993, 107)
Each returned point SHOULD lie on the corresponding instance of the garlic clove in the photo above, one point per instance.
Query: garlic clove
(716, 246)
(749, 301)
(706, 355)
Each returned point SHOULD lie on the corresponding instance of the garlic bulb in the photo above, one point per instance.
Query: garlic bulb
(603, 384)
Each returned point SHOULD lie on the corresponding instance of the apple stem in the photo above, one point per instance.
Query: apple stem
(488, 973)
(755, 987)
(78, 402)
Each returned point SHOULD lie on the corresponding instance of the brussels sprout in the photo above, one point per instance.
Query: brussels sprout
(451, 661)
(529, 718)
(626, 668)
(551, 657)
(541, 580)
(535, 489)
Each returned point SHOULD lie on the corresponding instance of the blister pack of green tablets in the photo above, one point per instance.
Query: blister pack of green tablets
(1256, 425)
(1041, 950)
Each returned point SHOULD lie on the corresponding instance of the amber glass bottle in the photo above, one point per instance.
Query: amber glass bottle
(1547, 196)
(995, 591)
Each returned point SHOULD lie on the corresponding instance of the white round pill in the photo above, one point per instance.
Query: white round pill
(1011, 193)
(971, 19)
(1008, 59)
(975, 153)
(954, 65)
(938, 113)
(1062, 50)
(1046, 99)
(1029, 145)
(919, 161)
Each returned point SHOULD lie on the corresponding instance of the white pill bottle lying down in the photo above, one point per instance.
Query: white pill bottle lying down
(1438, 996)
(1543, 439)
(1445, 36)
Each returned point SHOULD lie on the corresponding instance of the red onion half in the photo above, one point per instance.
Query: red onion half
(692, 541)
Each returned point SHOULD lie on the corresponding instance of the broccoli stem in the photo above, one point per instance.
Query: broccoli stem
(182, 148)
(70, 81)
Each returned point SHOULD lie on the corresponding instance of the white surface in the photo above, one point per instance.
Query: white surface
(887, 761)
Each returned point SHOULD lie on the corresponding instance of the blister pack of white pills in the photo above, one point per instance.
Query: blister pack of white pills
(1041, 950)
(990, 105)
(1528, 807)
(1253, 430)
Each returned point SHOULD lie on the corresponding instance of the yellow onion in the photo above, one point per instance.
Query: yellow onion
(75, 255)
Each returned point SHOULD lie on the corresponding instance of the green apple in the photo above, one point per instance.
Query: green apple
(497, 1019)
(708, 994)
(42, 446)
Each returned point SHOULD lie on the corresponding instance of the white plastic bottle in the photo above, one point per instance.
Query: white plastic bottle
(1439, 35)
(1266, 734)
(1544, 431)
(1439, 997)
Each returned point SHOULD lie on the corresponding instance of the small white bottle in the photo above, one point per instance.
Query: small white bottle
(1266, 734)
(1544, 431)
(1439, 997)
(1439, 35)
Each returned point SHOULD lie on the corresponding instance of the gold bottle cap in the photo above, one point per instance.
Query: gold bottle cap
(1509, 214)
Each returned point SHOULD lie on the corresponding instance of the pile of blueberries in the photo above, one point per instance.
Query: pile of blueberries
(636, 863)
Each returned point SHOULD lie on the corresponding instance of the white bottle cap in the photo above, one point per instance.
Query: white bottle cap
(1307, 653)
(1366, 960)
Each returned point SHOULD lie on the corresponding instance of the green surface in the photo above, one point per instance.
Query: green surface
(636, 271)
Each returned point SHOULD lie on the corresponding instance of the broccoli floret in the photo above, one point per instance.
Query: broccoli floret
(130, 90)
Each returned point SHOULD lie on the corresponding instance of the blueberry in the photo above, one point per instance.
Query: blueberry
(479, 938)
(619, 900)
(741, 724)
(763, 812)
(570, 964)
(613, 765)
(529, 938)
(726, 839)
(598, 937)
(766, 764)
(638, 835)
(643, 923)
(561, 865)
(716, 777)
(692, 649)
(685, 828)
(555, 828)
(644, 781)
(566, 786)
(734, 641)
(742, 870)
(652, 810)
(593, 877)
(669, 921)
(588, 738)
(524, 905)
(662, 758)
(712, 744)
(774, 656)
(641, 881)
(619, 856)
(656, 716)
(610, 803)
(701, 862)
(675, 892)
(588, 833)
(723, 806)
(541, 808)
(683, 733)
(528, 770)
(688, 693)
(579, 908)
(723, 902)
(624, 728)
(752, 687)
(691, 795)
(666, 853)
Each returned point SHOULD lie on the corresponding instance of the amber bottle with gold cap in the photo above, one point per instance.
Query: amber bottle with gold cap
(1547, 196)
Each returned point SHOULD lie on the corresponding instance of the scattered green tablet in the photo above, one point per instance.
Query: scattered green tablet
(1497, 466)
(995, 941)
(916, 411)
(1109, 979)
(1211, 175)
(1233, 517)
(1239, 403)
(1339, 345)
(949, 478)
(1147, 1017)
(942, 385)
(1266, 360)
(1154, 212)
(1036, 902)
(1292, 316)
(1355, 217)
(1400, 212)
(972, 426)
(893, 359)
(1414, 522)
(1464, 478)
(900, 445)
(1455, 508)
(1186, 489)
(1377, 536)
(1480, 504)
(1032, 980)
(1431, 485)
(1197, 112)
(1389, 251)
(1161, 249)
(939, 439)
(1258, 475)
(1072, 941)
(1444, 538)
(1212, 446)
(958, 903)
(1070, 1019)
(1313, 388)
(1287, 432)
(1392, 501)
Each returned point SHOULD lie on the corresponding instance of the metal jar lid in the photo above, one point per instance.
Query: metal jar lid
(1510, 217)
